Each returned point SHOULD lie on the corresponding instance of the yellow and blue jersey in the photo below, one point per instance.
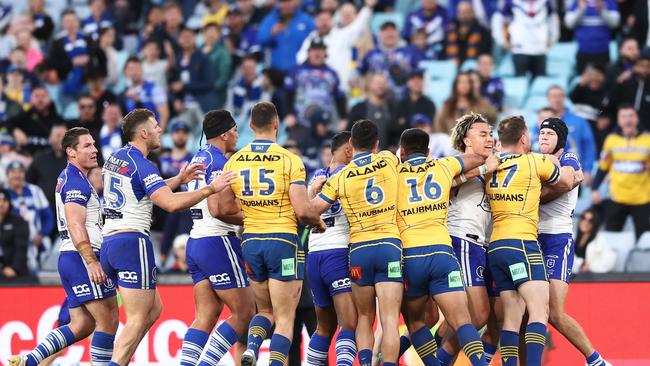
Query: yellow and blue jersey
(367, 191)
(265, 172)
(514, 190)
(423, 190)
(627, 160)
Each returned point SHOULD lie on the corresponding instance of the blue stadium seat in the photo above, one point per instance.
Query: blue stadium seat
(439, 70)
(564, 51)
(535, 102)
(516, 89)
(613, 52)
(438, 91)
(380, 18)
(622, 243)
(559, 68)
(541, 84)
(469, 65)
(506, 67)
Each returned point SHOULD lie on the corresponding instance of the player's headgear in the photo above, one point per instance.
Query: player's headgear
(560, 129)
(217, 122)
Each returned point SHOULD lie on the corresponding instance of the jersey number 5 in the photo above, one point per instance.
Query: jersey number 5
(115, 197)
(263, 179)
(512, 170)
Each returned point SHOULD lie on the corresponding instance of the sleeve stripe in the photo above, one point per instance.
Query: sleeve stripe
(299, 182)
(462, 164)
(554, 176)
(326, 199)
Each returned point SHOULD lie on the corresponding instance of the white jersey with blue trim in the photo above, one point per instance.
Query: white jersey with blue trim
(556, 217)
(469, 215)
(129, 180)
(206, 225)
(337, 235)
(72, 186)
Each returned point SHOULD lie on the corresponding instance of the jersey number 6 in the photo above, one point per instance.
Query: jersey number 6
(374, 194)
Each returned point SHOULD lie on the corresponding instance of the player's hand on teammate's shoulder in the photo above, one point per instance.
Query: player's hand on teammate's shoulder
(318, 184)
(223, 180)
(191, 172)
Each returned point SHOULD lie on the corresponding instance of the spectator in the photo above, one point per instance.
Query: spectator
(143, 94)
(47, 165)
(433, 18)
(282, 31)
(592, 21)
(87, 117)
(8, 107)
(640, 28)
(415, 102)
(464, 98)
(466, 37)
(391, 59)
(220, 61)
(380, 108)
(492, 87)
(588, 225)
(18, 60)
(110, 136)
(193, 74)
(31, 128)
(439, 142)
(588, 97)
(179, 245)
(69, 54)
(16, 90)
(580, 140)
(43, 24)
(245, 91)
(33, 54)
(419, 45)
(626, 158)
(312, 143)
(273, 84)
(634, 90)
(154, 69)
(528, 31)
(192, 116)
(29, 201)
(99, 94)
(340, 41)
(8, 155)
(483, 9)
(313, 85)
(241, 37)
(628, 54)
(14, 239)
(106, 44)
(99, 19)
(167, 33)
(206, 12)
(253, 15)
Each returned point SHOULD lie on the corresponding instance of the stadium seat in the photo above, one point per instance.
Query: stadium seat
(564, 51)
(559, 68)
(535, 102)
(438, 91)
(613, 52)
(622, 243)
(644, 240)
(506, 66)
(516, 90)
(469, 65)
(439, 70)
(541, 84)
(639, 258)
(380, 18)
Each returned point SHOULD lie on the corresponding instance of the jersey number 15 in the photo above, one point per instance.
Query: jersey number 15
(263, 178)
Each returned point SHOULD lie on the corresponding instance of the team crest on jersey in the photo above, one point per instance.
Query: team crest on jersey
(109, 284)
(154, 275)
(480, 272)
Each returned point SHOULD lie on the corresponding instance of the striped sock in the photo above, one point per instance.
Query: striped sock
(346, 348)
(101, 348)
(470, 340)
(509, 347)
(317, 350)
(365, 357)
(57, 340)
(113, 364)
(489, 351)
(425, 346)
(220, 342)
(258, 329)
(279, 350)
(535, 342)
(404, 344)
(595, 360)
(444, 358)
(193, 344)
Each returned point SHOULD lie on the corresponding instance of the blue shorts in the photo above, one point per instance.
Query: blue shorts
(513, 262)
(431, 270)
(277, 256)
(328, 272)
(558, 250)
(128, 260)
(376, 261)
(77, 283)
(218, 259)
(472, 258)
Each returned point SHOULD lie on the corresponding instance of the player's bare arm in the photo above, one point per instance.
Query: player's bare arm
(213, 207)
(75, 215)
(307, 214)
(174, 202)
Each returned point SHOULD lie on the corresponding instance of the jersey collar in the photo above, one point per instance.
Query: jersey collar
(416, 159)
(261, 141)
(362, 158)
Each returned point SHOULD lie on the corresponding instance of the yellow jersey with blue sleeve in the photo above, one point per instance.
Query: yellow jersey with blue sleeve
(423, 190)
(514, 190)
(627, 160)
(367, 190)
(265, 172)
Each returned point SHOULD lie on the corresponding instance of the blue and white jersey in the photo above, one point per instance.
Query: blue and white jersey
(469, 215)
(150, 95)
(73, 186)
(129, 180)
(395, 63)
(435, 25)
(314, 86)
(337, 235)
(205, 225)
(556, 217)
(92, 26)
(34, 208)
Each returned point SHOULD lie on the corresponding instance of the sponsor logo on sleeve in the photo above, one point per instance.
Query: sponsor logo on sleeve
(152, 179)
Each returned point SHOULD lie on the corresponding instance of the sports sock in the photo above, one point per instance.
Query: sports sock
(317, 350)
(193, 344)
(471, 343)
(220, 342)
(365, 357)
(55, 341)
(595, 360)
(113, 364)
(101, 348)
(346, 348)
(438, 339)
(535, 342)
(258, 330)
(444, 358)
(425, 346)
(279, 350)
(404, 344)
(509, 347)
(489, 351)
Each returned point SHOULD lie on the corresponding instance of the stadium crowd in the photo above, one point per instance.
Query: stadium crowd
(324, 64)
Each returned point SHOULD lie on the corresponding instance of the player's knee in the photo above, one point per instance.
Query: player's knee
(555, 316)
(480, 315)
(108, 322)
(82, 326)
